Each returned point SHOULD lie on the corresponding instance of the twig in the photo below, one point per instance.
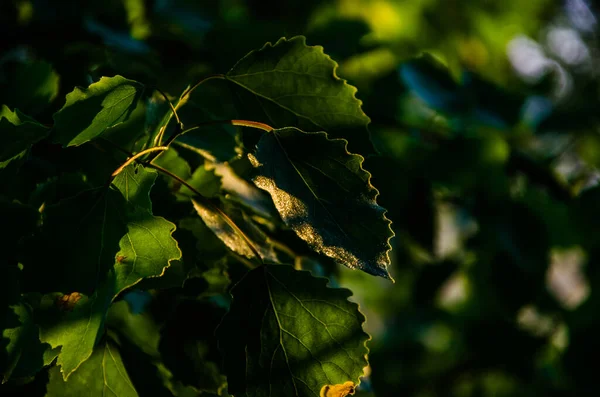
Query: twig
(207, 202)
(135, 157)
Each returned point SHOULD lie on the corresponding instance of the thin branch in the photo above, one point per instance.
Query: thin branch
(191, 89)
(119, 148)
(137, 156)
(172, 107)
(243, 260)
(239, 123)
(207, 202)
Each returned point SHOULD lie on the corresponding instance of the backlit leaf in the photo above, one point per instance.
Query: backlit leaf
(234, 237)
(322, 192)
(148, 247)
(88, 112)
(77, 326)
(102, 375)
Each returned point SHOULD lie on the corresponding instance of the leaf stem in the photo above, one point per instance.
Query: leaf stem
(191, 89)
(165, 123)
(171, 106)
(208, 203)
(135, 157)
(239, 123)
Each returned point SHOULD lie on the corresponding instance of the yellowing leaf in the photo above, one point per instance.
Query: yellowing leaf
(343, 390)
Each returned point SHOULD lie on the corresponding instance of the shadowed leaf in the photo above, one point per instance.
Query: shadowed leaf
(296, 85)
(287, 334)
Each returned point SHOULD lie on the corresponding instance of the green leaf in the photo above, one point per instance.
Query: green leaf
(209, 247)
(219, 142)
(148, 247)
(170, 160)
(89, 112)
(296, 85)
(245, 193)
(129, 244)
(32, 85)
(18, 133)
(189, 349)
(85, 236)
(74, 322)
(135, 182)
(207, 283)
(322, 192)
(102, 375)
(205, 180)
(24, 352)
(146, 250)
(287, 334)
(77, 243)
(222, 222)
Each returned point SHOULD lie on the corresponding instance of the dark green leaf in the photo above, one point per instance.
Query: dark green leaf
(322, 192)
(18, 133)
(296, 85)
(24, 352)
(89, 112)
(189, 349)
(287, 334)
(77, 243)
(211, 101)
(31, 86)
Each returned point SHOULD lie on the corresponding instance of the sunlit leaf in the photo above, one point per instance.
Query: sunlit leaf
(74, 325)
(287, 334)
(88, 112)
(322, 192)
(338, 390)
(103, 374)
(204, 180)
(170, 160)
(148, 247)
(235, 230)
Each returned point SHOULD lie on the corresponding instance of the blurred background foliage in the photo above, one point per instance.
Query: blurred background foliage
(485, 116)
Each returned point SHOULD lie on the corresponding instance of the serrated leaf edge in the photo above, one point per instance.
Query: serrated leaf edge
(361, 159)
(335, 76)
(325, 281)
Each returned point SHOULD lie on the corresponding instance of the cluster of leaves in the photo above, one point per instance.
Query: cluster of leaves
(113, 210)
(490, 182)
